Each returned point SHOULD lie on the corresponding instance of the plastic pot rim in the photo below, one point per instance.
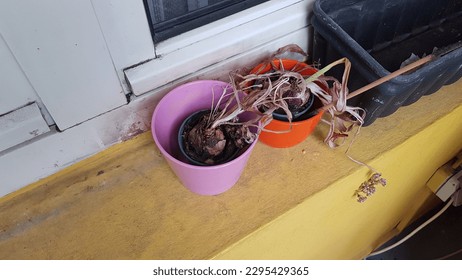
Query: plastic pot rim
(182, 163)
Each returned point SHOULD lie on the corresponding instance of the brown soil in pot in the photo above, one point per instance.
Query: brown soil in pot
(211, 146)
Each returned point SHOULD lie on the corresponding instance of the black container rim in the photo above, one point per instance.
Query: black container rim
(359, 51)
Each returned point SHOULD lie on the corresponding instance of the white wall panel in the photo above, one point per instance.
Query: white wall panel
(61, 49)
(15, 90)
(126, 31)
(21, 125)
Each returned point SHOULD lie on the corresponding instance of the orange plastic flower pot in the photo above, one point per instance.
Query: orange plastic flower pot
(299, 130)
(298, 133)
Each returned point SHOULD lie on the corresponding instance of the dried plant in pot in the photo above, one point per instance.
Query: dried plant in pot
(295, 115)
(206, 130)
(233, 116)
(219, 134)
(172, 111)
(296, 94)
(287, 83)
(215, 135)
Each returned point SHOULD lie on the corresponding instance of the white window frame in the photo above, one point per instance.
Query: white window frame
(210, 44)
(244, 18)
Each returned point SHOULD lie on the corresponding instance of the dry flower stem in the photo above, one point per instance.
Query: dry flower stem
(384, 79)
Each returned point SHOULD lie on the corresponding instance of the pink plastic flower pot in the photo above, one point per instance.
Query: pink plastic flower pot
(171, 111)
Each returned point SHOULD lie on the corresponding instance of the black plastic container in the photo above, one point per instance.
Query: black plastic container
(378, 35)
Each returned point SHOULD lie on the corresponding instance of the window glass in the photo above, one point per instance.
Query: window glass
(169, 18)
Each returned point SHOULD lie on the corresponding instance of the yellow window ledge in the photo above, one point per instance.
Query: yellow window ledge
(296, 203)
